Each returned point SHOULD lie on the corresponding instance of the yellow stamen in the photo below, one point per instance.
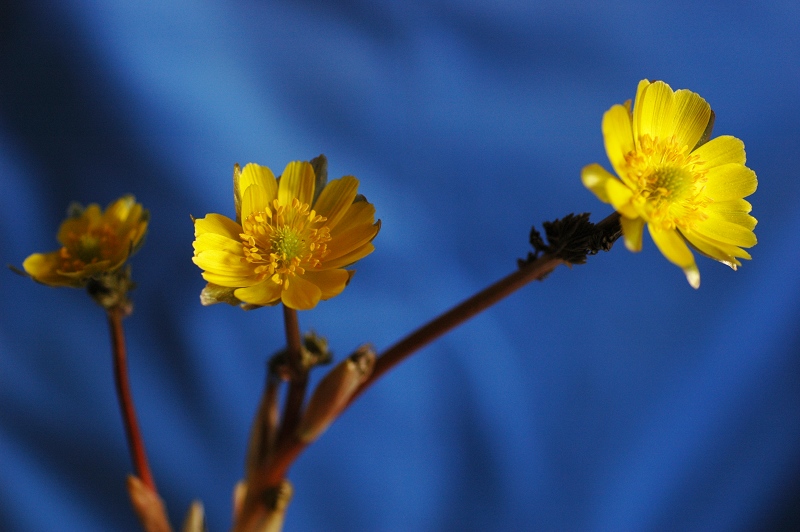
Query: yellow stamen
(667, 181)
(284, 241)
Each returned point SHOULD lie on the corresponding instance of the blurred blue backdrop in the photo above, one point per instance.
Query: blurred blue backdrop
(611, 396)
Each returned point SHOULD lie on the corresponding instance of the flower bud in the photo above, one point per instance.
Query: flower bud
(334, 392)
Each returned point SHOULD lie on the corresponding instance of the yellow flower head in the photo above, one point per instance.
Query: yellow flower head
(684, 188)
(92, 243)
(292, 238)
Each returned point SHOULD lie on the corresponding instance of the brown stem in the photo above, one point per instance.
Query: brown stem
(298, 377)
(135, 442)
(266, 511)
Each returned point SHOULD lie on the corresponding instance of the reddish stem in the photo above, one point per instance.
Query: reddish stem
(289, 450)
(289, 447)
(458, 315)
(135, 442)
(298, 377)
(606, 231)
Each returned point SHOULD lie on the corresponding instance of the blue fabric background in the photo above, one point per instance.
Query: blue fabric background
(611, 396)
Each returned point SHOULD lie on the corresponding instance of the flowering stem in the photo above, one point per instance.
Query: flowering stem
(298, 375)
(604, 234)
(268, 492)
(135, 442)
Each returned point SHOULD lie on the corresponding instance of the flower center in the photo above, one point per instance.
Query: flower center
(81, 249)
(667, 182)
(284, 241)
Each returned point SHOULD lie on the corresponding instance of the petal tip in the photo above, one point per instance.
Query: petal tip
(693, 276)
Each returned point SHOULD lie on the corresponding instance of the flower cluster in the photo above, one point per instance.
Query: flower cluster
(685, 189)
(292, 238)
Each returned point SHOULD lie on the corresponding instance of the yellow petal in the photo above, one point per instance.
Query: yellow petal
(134, 215)
(223, 263)
(254, 174)
(347, 241)
(719, 228)
(730, 181)
(653, 112)
(93, 214)
(237, 193)
(230, 281)
(330, 282)
(725, 249)
(209, 241)
(724, 253)
(300, 294)
(255, 199)
(640, 88)
(721, 150)
(44, 268)
(691, 116)
(735, 216)
(594, 178)
(349, 258)
(692, 275)
(216, 223)
(263, 293)
(674, 248)
(336, 198)
(119, 210)
(618, 136)
(620, 197)
(360, 213)
(671, 245)
(632, 229)
(297, 181)
(734, 205)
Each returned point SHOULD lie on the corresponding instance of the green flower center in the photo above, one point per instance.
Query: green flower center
(286, 242)
(283, 241)
(668, 182)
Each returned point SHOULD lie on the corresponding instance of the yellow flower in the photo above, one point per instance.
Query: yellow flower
(92, 243)
(292, 238)
(684, 188)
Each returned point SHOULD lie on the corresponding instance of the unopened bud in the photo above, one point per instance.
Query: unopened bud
(334, 392)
